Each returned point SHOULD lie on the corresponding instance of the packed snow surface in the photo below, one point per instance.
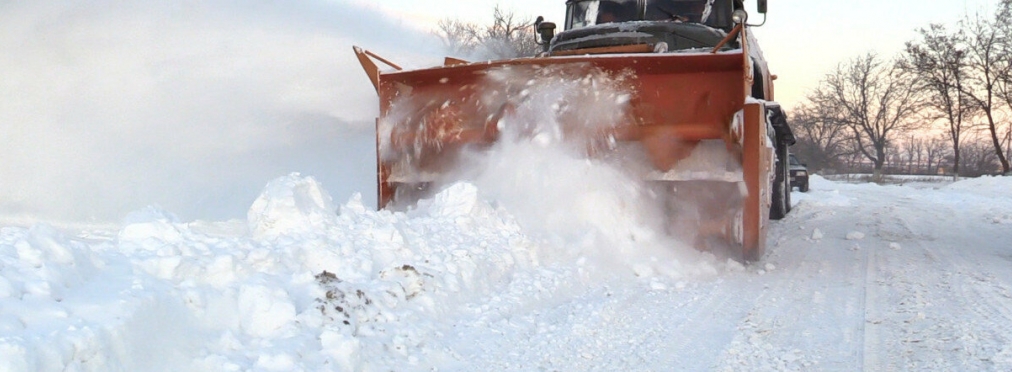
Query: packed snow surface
(857, 277)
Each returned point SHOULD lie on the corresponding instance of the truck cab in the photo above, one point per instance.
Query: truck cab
(655, 26)
(680, 24)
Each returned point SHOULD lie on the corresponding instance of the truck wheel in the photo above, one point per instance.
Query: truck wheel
(804, 187)
(778, 210)
(781, 186)
(788, 188)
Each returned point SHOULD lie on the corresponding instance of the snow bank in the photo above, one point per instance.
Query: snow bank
(306, 287)
(290, 204)
(987, 185)
(38, 263)
(993, 194)
(306, 284)
(828, 193)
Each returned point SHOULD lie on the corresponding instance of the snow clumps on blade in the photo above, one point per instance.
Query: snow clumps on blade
(555, 169)
(558, 105)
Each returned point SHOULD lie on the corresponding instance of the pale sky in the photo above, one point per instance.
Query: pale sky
(802, 39)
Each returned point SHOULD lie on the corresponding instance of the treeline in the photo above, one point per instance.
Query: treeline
(507, 36)
(942, 106)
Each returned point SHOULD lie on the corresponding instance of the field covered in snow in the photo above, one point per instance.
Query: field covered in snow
(857, 277)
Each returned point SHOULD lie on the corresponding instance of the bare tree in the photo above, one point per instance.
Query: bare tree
(459, 38)
(913, 151)
(509, 36)
(821, 141)
(939, 60)
(512, 36)
(935, 151)
(1005, 86)
(987, 47)
(1008, 146)
(979, 156)
(853, 160)
(893, 161)
(873, 100)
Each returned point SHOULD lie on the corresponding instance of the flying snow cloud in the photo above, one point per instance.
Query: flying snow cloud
(111, 106)
(551, 168)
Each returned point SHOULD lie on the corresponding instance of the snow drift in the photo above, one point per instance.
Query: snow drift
(301, 285)
(305, 284)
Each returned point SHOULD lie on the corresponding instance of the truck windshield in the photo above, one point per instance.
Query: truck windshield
(696, 11)
(595, 12)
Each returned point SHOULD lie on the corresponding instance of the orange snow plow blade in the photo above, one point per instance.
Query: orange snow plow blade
(675, 103)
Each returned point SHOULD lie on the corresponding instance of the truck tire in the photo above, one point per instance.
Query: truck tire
(778, 209)
(781, 186)
(788, 188)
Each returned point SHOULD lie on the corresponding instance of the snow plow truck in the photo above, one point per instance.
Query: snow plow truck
(698, 107)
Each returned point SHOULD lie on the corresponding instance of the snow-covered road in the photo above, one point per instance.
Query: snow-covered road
(858, 277)
(861, 277)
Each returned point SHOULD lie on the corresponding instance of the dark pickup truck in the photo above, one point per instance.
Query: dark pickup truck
(799, 174)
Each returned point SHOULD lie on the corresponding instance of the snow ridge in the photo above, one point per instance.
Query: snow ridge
(302, 285)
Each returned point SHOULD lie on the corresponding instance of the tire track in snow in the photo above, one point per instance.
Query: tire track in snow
(712, 324)
(881, 278)
(894, 297)
(940, 311)
(871, 341)
(899, 303)
(986, 341)
(786, 328)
